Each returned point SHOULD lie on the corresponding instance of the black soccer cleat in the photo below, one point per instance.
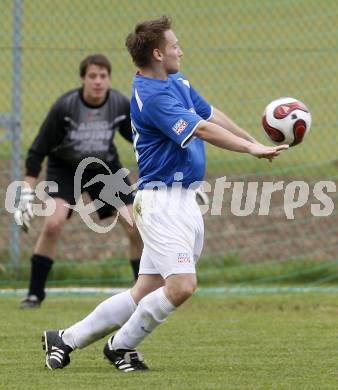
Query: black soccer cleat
(30, 302)
(126, 360)
(57, 352)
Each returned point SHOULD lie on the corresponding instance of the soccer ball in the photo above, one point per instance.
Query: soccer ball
(286, 121)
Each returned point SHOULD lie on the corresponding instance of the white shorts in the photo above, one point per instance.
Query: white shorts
(172, 229)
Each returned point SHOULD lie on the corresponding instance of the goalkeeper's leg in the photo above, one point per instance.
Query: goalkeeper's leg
(44, 252)
(135, 241)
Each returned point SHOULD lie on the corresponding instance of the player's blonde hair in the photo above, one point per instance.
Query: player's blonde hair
(147, 36)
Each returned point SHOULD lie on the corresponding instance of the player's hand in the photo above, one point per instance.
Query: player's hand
(24, 214)
(268, 152)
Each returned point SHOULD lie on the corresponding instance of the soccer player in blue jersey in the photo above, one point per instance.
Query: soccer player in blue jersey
(170, 121)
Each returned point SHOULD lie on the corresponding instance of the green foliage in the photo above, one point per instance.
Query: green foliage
(213, 271)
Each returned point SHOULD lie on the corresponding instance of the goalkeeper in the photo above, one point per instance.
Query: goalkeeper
(81, 123)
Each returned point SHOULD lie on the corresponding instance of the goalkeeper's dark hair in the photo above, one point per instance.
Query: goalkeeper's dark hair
(94, 59)
(147, 36)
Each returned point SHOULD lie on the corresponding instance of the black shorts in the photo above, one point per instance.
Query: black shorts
(64, 177)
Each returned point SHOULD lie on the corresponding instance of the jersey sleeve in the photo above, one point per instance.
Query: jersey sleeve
(202, 107)
(125, 125)
(167, 114)
(50, 135)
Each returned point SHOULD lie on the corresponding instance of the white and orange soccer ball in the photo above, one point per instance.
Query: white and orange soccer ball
(286, 121)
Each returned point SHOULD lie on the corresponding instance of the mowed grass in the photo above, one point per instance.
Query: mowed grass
(281, 341)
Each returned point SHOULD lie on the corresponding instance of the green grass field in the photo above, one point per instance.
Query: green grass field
(226, 342)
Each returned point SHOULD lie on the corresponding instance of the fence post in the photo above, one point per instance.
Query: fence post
(15, 127)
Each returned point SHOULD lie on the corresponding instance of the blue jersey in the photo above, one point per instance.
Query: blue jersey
(164, 115)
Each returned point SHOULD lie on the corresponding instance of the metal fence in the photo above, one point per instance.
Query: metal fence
(239, 55)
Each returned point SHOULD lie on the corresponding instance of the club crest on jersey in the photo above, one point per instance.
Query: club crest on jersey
(180, 126)
(183, 258)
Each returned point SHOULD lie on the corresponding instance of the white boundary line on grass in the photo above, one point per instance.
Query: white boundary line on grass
(65, 291)
(200, 291)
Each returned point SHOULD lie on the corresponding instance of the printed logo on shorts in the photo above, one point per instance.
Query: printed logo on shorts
(180, 126)
(183, 258)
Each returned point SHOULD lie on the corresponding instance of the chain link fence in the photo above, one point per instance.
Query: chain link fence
(239, 55)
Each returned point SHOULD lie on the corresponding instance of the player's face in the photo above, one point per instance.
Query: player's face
(95, 83)
(172, 53)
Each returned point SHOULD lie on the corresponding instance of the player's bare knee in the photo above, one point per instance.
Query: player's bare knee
(179, 292)
(52, 228)
(145, 285)
(188, 288)
(133, 233)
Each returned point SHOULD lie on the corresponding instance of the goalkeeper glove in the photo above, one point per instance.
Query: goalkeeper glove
(24, 214)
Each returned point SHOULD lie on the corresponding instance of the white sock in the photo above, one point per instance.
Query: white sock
(151, 311)
(106, 317)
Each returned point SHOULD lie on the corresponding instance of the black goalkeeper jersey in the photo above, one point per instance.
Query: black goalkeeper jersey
(74, 130)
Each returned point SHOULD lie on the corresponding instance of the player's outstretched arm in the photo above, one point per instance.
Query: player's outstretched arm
(225, 139)
(221, 119)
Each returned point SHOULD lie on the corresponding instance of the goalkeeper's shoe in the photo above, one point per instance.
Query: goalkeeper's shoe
(30, 302)
(126, 360)
(57, 352)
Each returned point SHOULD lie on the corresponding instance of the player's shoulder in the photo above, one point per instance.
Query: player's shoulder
(66, 99)
(177, 76)
(114, 93)
(180, 79)
(146, 89)
(73, 93)
(118, 100)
